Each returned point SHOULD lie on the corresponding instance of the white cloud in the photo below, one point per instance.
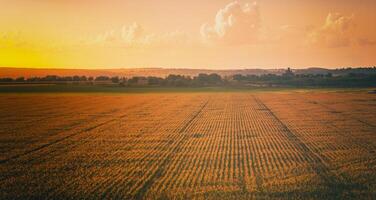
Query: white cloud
(337, 31)
(127, 35)
(135, 35)
(234, 24)
(132, 33)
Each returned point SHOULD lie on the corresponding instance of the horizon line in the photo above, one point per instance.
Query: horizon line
(181, 68)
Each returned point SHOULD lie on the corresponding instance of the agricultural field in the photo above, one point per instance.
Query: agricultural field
(188, 145)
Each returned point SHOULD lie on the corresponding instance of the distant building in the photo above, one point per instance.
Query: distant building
(288, 73)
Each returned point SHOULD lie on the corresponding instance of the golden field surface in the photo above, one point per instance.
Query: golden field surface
(232, 145)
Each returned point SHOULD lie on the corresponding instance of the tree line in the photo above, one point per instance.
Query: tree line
(287, 79)
(171, 80)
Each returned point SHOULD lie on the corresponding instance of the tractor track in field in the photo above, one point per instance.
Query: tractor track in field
(139, 136)
(361, 143)
(71, 135)
(32, 122)
(45, 146)
(332, 182)
(332, 110)
(61, 140)
(54, 142)
(204, 146)
(142, 191)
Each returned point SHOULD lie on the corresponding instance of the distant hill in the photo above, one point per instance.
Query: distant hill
(158, 72)
(312, 70)
(337, 72)
(27, 72)
(163, 72)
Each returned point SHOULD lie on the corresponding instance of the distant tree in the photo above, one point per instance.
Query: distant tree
(207, 80)
(50, 78)
(33, 79)
(201, 79)
(138, 80)
(155, 80)
(123, 81)
(238, 77)
(68, 78)
(177, 80)
(215, 79)
(5, 80)
(269, 77)
(83, 78)
(102, 78)
(115, 79)
(76, 78)
(329, 75)
(252, 77)
(20, 79)
(133, 80)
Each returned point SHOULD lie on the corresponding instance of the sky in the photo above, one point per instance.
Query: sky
(212, 34)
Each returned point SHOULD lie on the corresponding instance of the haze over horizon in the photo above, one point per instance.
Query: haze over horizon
(221, 34)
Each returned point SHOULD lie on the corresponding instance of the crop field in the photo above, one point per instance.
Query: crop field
(204, 145)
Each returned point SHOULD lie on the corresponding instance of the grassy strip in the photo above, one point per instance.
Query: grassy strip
(118, 89)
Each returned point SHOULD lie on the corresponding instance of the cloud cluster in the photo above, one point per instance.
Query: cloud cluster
(240, 24)
(234, 24)
(337, 31)
(135, 35)
(127, 35)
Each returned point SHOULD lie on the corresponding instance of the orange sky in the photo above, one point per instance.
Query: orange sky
(189, 34)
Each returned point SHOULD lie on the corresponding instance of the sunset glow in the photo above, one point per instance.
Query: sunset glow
(187, 34)
(188, 99)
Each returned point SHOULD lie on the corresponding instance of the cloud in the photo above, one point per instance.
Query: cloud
(134, 35)
(127, 35)
(234, 24)
(335, 32)
(366, 42)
